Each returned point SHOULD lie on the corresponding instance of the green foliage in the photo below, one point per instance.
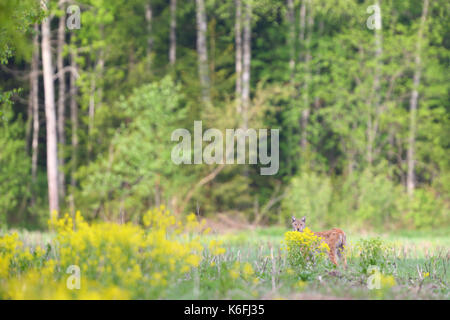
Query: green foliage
(16, 18)
(14, 162)
(367, 201)
(372, 252)
(350, 173)
(309, 194)
(124, 177)
(424, 211)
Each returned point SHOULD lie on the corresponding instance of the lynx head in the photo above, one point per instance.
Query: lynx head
(298, 225)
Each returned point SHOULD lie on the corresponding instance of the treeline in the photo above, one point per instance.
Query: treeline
(358, 89)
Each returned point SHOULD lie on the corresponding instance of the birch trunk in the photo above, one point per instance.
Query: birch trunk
(307, 80)
(373, 117)
(91, 113)
(52, 148)
(202, 52)
(301, 49)
(74, 128)
(301, 34)
(148, 20)
(61, 102)
(410, 178)
(291, 21)
(238, 65)
(173, 35)
(34, 100)
(246, 64)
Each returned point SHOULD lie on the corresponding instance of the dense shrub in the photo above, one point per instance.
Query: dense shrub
(305, 251)
(372, 252)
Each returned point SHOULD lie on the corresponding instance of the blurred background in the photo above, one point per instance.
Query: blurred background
(90, 92)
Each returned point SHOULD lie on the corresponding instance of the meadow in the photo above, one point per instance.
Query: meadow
(169, 257)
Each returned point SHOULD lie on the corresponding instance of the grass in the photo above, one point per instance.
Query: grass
(414, 265)
(414, 254)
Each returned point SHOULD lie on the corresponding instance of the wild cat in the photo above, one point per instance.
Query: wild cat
(335, 238)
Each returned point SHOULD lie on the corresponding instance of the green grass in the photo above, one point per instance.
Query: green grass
(414, 254)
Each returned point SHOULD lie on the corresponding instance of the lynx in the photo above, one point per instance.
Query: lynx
(335, 238)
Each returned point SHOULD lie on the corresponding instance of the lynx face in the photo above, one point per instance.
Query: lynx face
(298, 225)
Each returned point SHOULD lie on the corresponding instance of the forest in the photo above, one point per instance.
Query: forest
(118, 123)
(91, 91)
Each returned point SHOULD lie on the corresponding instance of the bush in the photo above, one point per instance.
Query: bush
(423, 211)
(305, 252)
(365, 201)
(372, 252)
(308, 194)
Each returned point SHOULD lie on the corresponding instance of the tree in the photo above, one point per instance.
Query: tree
(61, 102)
(50, 116)
(247, 45)
(173, 35)
(238, 57)
(410, 182)
(202, 52)
(34, 100)
(149, 21)
(74, 127)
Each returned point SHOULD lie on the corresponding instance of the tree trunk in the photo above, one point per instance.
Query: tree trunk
(410, 178)
(307, 80)
(52, 148)
(61, 102)
(301, 34)
(34, 100)
(29, 123)
(148, 19)
(317, 66)
(301, 48)
(246, 64)
(173, 35)
(238, 64)
(202, 52)
(100, 69)
(373, 117)
(291, 21)
(74, 123)
(91, 113)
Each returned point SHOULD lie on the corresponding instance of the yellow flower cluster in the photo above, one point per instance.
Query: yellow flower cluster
(14, 257)
(303, 247)
(387, 281)
(300, 285)
(245, 270)
(215, 248)
(115, 261)
(304, 240)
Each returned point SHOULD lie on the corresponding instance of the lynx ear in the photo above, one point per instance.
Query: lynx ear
(303, 219)
(293, 219)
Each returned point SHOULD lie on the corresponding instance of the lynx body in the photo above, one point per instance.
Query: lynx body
(334, 238)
